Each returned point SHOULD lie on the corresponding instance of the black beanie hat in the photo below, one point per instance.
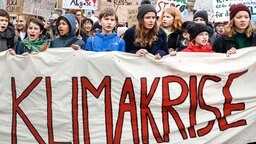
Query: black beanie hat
(196, 29)
(145, 8)
(203, 14)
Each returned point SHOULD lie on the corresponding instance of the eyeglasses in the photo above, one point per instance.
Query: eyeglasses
(220, 26)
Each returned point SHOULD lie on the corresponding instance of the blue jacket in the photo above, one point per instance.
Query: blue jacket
(100, 43)
(159, 46)
(62, 41)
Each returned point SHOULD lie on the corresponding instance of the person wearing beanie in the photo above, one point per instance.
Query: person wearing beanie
(171, 21)
(239, 32)
(201, 16)
(7, 31)
(146, 36)
(199, 36)
(66, 28)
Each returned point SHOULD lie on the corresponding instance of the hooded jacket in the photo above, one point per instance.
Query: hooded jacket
(100, 42)
(63, 41)
(7, 38)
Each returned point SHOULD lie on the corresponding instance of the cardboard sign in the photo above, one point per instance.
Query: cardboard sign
(14, 6)
(42, 8)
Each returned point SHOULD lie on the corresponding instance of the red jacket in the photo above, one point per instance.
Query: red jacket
(195, 48)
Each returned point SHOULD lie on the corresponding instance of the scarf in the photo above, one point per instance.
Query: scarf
(33, 45)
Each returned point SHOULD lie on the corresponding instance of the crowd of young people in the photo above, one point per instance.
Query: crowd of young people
(166, 35)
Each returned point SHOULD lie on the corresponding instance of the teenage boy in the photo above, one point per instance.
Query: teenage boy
(66, 28)
(7, 31)
(106, 40)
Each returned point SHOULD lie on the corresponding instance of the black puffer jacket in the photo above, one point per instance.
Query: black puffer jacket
(224, 43)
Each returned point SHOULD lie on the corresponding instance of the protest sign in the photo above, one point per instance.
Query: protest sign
(80, 4)
(68, 96)
(221, 9)
(14, 6)
(132, 16)
(161, 4)
(42, 8)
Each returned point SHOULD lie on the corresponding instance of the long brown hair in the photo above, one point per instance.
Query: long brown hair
(231, 32)
(144, 38)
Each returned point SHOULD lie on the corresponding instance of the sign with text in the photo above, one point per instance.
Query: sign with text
(221, 8)
(161, 4)
(14, 6)
(80, 4)
(68, 96)
(42, 8)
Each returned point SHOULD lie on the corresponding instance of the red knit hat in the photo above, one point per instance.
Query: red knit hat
(235, 8)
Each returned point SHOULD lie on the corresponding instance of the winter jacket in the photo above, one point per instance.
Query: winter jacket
(7, 38)
(159, 46)
(223, 43)
(195, 48)
(101, 42)
(173, 40)
(64, 41)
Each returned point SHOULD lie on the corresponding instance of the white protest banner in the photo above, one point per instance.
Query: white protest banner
(221, 9)
(42, 8)
(80, 4)
(161, 4)
(68, 96)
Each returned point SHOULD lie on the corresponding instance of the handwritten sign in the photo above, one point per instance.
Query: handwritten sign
(39, 7)
(161, 4)
(14, 6)
(221, 8)
(132, 16)
(80, 4)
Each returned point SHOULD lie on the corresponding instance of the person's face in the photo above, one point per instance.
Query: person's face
(167, 20)
(79, 14)
(87, 26)
(241, 21)
(33, 31)
(149, 20)
(199, 20)
(63, 28)
(3, 23)
(108, 24)
(202, 38)
(220, 29)
(21, 23)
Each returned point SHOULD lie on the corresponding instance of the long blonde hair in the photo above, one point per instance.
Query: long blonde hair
(144, 38)
(231, 32)
(177, 21)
